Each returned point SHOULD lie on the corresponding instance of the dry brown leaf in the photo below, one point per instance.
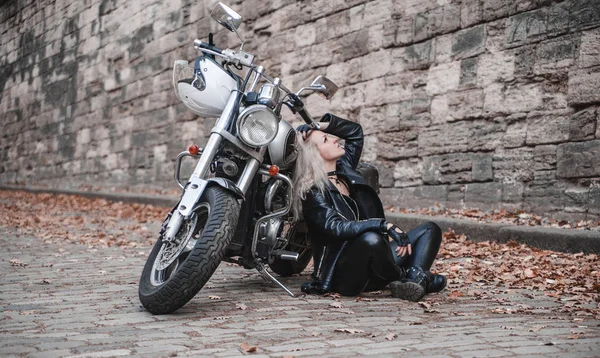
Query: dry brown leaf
(245, 347)
(349, 330)
(336, 304)
(455, 294)
(391, 336)
(47, 281)
(213, 297)
(241, 306)
(18, 263)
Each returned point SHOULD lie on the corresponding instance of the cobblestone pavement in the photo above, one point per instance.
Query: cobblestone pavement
(72, 300)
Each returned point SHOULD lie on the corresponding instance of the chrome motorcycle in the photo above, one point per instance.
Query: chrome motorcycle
(235, 206)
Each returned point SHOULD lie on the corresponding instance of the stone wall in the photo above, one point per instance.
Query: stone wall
(476, 103)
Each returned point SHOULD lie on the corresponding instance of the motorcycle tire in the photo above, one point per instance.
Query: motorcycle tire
(299, 243)
(217, 218)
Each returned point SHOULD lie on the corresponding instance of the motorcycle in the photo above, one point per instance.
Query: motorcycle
(236, 204)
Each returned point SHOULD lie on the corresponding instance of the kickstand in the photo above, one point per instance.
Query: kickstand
(262, 270)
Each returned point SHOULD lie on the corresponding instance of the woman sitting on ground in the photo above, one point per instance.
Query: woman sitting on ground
(351, 242)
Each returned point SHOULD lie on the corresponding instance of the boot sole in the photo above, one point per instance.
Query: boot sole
(410, 291)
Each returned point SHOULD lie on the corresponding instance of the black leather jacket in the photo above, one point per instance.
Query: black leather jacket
(328, 217)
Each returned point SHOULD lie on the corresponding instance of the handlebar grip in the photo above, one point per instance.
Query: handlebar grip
(201, 44)
(307, 118)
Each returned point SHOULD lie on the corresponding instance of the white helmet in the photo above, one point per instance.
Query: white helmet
(204, 88)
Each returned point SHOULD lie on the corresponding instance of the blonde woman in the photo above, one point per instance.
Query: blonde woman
(345, 219)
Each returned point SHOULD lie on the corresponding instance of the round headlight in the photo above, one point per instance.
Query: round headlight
(257, 125)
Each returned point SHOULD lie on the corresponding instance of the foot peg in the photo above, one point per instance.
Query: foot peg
(286, 255)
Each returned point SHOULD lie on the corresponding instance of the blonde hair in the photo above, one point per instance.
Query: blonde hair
(308, 173)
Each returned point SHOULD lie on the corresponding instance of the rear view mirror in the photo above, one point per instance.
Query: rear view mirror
(225, 16)
(324, 86)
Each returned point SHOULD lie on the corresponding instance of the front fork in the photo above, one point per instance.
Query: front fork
(196, 184)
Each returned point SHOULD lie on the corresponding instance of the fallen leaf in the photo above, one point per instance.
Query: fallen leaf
(425, 305)
(336, 304)
(245, 347)
(391, 336)
(349, 330)
(241, 306)
(27, 313)
(18, 263)
(47, 281)
(212, 297)
(455, 294)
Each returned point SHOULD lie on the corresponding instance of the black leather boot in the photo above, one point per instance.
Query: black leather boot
(412, 287)
(435, 282)
(312, 288)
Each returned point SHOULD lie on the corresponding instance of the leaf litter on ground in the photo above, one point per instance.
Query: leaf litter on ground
(572, 279)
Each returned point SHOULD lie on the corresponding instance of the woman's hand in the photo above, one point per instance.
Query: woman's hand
(305, 129)
(401, 239)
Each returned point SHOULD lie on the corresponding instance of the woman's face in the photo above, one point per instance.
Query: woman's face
(327, 145)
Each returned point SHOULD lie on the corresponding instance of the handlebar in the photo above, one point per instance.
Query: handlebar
(206, 46)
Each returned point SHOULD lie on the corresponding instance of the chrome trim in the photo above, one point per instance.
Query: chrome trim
(281, 212)
(178, 161)
(270, 194)
(249, 172)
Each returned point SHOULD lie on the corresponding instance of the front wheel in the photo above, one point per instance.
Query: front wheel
(176, 271)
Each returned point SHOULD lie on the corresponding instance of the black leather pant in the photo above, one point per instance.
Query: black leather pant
(370, 262)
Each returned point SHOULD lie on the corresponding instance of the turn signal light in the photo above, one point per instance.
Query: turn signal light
(273, 170)
(193, 149)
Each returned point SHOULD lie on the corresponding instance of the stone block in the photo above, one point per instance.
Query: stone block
(497, 67)
(439, 109)
(513, 165)
(598, 125)
(584, 86)
(589, 49)
(557, 20)
(420, 101)
(407, 173)
(447, 168)
(483, 193)
(594, 201)
(583, 124)
(545, 157)
(443, 78)
(486, 135)
(469, 42)
(584, 14)
(544, 196)
(548, 128)
(443, 139)
(579, 159)
(512, 192)
(443, 48)
(471, 12)
(466, 104)
(526, 27)
(482, 166)
(468, 72)
(440, 20)
(414, 121)
(376, 64)
(399, 87)
(576, 199)
(397, 145)
(556, 53)
(514, 98)
(420, 56)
